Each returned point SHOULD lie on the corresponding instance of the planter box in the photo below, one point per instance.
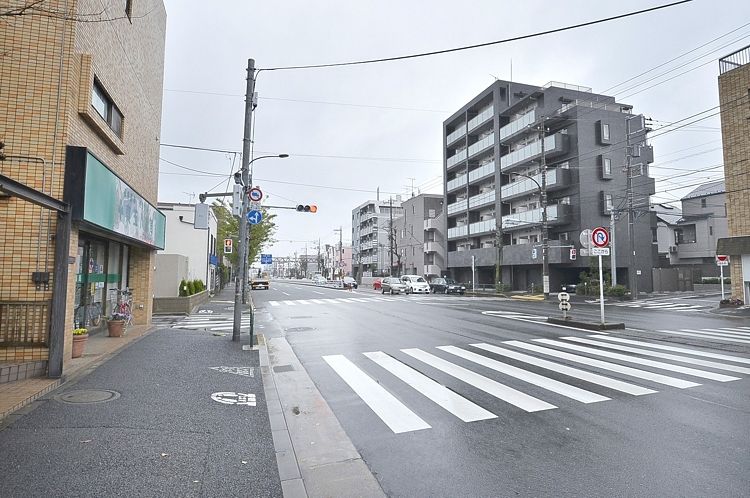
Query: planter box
(710, 287)
(183, 305)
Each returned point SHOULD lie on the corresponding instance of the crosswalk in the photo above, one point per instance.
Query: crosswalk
(736, 335)
(531, 376)
(378, 299)
(217, 323)
(661, 305)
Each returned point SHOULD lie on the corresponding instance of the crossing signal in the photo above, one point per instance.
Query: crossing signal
(227, 246)
(307, 208)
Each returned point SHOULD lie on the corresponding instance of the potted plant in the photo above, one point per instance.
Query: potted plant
(80, 336)
(116, 324)
(732, 302)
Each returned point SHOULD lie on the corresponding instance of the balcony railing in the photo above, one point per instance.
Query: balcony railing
(482, 199)
(431, 246)
(734, 60)
(556, 213)
(457, 206)
(553, 145)
(481, 172)
(456, 158)
(459, 181)
(461, 231)
(482, 144)
(483, 226)
(431, 224)
(556, 178)
(455, 135)
(431, 270)
(517, 125)
(480, 118)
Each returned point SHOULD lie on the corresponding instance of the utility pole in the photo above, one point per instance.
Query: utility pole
(391, 235)
(545, 231)
(612, 246)
(499, 245)
(241, 279)
(341, 251)
(633, 278)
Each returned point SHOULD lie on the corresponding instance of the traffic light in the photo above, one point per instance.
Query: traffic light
(307, 208)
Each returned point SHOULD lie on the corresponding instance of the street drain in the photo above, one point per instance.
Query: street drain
(283, 368)
(299, 329)
(87, 396)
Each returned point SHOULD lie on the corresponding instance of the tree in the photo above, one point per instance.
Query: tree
(228, 227)
(56, 10)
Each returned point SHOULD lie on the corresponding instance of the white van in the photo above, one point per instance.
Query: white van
(415, 284)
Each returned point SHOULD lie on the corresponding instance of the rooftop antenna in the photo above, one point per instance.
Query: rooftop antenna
(412, 185)
(191, 195)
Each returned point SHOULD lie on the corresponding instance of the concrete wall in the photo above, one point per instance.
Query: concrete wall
(184, 305)
(184, 239)
(171, 269)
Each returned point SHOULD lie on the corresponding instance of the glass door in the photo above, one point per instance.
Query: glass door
(90, 284)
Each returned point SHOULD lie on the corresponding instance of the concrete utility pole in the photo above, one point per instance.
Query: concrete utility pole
(240, 279)
(632, 277)
(612, 246)
(545, 230)
(391, 235)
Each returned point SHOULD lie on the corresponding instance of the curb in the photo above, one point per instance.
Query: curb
(586, 325)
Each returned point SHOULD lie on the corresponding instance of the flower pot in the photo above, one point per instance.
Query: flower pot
(115, 327)
(79, 344)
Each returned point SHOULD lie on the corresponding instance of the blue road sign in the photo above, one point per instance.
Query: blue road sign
(266, 259)
(254, 217)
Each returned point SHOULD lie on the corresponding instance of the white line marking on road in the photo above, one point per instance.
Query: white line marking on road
(728, 332)
(346, 300)
(358, 300)
(318, 301)
(605, 365)
(641, 361)
(500, 391)
(303, 301)
(320, 293)
(718, 356)
(736, 329)
(274, 303)
(390, 410)
(330, 301)
(285, 293)
(666, 356)
(444, 397)
(593, 378)
(715, 335)
(706, 335)
(553, 385)
(290, 303)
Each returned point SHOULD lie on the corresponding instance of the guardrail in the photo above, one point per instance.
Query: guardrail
(24, 323)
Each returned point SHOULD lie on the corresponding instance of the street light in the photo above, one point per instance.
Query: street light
(545, 235)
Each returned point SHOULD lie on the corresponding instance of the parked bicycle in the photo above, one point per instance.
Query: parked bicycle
(88, 315)
(124, 308)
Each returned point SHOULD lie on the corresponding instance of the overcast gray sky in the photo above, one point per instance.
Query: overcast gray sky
(377, 126)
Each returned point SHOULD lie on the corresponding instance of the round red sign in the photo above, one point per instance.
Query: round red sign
(600, 237)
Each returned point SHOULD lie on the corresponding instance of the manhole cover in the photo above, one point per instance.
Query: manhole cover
(299, 329)
(88, 396)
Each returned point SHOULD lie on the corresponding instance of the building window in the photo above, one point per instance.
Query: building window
(608, 203)
(710, 230)
(605, 131)
(104, 106)
(703, 202)
(412, 250)
(602, 133)
(607, 166)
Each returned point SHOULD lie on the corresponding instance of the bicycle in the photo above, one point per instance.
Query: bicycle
(124, 307)
(92, 316)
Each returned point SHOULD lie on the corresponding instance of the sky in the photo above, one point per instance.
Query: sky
(350, 131)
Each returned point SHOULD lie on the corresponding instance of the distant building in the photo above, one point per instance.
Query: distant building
(734, 98)
(419, 243)
(370, 244)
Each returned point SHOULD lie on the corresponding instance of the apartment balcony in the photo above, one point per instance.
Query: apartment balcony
(431, 246)
(557, 214)
(455, 158)
(481, 172)
(459, 181)
(486, 256)
(523, 254)
(481, 227)
(432, 270)
(517, 126)
(458, 206)
(554, 145)
(460, 231)
(431, 224)
(481, 144)
(482, 199)
(481, 118)
(455, 135)
(557, 178)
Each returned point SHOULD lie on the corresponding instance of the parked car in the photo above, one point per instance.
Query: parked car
(569, 288)
(415, 284)
(392, 285)
(377, 284)
(446, 286)
(350, 282)
(318, 280)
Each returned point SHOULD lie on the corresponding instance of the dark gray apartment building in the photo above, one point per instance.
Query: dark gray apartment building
(493, 164)
(419, 237)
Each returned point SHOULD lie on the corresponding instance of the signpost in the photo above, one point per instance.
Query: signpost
(266, 259)
(254, 217)
(227, 246)
(600, 239)
(255, 194)
(564, 305)
(722, 261)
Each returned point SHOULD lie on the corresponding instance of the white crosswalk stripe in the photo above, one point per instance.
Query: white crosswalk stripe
(475, 367)
(659, 305)
(707, 334)
(218, 322)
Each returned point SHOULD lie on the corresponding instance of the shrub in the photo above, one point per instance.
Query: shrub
(183, 288)
(502, 287)
(80, 331)
(732, 301)
(190, 288)
(615, 290)
(715, 280)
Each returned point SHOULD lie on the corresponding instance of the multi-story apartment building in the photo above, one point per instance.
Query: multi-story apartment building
(370, 245)
(419, 242)
(496, 165)
(80, 117)
(734, 98)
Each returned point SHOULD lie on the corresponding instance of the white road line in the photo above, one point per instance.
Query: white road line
(736, 329)
(320, 293)
(358, 300)
(706, 335)
(719, 335)
(500, 391)
(593, 378)
(318, 301)
(641, 361)
(290, 303)
(729, 332)
(331, 301)
(285, 293)
(718, 356)
(274, 303)
(390, 410)
(303, 301)
(346, 300)
(666, 356)
(444, 397)
(553, 385)
(605, 365)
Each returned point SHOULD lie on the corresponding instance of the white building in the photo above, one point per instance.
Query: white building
(188, 253)
(370, 243)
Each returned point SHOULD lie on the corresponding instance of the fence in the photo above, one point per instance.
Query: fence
(24, 323)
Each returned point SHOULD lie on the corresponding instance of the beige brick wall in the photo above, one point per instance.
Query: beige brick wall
(47, 67)
(734, 97)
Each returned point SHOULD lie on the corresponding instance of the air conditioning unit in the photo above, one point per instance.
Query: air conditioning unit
(672, 248)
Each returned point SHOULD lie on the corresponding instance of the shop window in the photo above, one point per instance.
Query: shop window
(104, 106)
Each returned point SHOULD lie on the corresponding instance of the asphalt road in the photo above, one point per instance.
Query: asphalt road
(659, 409)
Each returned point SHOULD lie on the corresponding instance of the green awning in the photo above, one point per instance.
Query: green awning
(733, 246)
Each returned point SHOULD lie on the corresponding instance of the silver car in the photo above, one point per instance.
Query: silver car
(392, 285)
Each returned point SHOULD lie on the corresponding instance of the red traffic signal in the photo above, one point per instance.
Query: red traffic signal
(307, 208)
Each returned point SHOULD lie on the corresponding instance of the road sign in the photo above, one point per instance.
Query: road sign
(722, 260)
(254, 205)
(573, 254)
(564, 305)
(585, 252)
(254, 217)
(533, 253)
(563, 296)
(585, 239)
(255, 194)
(342, 264)
(600, 237)
(266, 259)
(599, 251)
(227, 246)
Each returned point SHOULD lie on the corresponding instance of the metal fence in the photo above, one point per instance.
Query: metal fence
(734, 60)
(24, 323)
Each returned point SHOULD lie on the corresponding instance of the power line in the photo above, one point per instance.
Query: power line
(479, 45)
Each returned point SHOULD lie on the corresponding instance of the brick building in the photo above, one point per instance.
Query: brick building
(80, 117)
(734, 98)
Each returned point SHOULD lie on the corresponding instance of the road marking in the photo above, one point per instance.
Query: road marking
(441, 395)
(736, 329)
(320, 293)
(346, 300)
(318, 301)
(553, 385)
(331, 301)
(641, 361)
(303, 301)
(711, 335)
(391, 411)
(666, 356)
(290, 303)
(593, 378)
(233, 398)
(274, 303)
(500, 391)
(633, 372)
(358, 300)
(718, 356)
(285, 293)
(729, 332)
